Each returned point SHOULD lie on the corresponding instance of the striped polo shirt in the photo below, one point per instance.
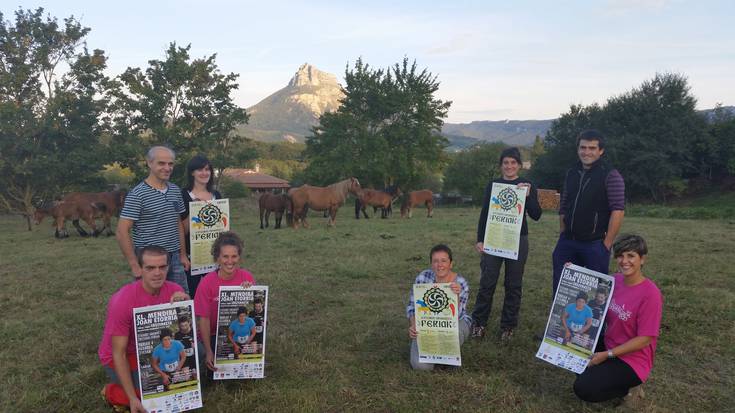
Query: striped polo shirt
(155, 215)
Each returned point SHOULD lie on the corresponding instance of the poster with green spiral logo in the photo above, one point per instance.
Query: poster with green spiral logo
(207, 219)
(437, 324)
(504, 220)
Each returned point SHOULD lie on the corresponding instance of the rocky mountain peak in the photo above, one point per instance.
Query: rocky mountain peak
(289, 113)
(308, 75)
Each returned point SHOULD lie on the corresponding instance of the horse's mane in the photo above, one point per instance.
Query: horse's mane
(341, 188)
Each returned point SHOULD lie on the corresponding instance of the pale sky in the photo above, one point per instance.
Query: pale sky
(495, 60)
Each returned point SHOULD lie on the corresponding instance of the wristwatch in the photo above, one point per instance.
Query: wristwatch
(610, 354)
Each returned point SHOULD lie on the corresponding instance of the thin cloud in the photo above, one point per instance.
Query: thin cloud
(624, 6)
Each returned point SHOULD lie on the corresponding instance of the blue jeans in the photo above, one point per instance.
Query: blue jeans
(176, 272)
(589, 254)
(112, 375)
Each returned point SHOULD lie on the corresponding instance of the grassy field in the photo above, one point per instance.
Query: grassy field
(714, 205)
(337, 336)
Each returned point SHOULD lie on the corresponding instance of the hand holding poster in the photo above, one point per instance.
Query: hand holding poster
(577, 314)
(207, 219)
(165, 339)
(241, 326)
(504, 220)
(437, 324)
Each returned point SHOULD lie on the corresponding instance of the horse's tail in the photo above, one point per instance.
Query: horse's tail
(290, 217)
(289, 209)
(120, 195)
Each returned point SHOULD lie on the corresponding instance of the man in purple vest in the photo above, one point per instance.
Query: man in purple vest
(591, 209)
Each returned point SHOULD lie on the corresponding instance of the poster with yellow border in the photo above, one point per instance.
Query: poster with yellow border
(242, 318)
(576, 318)
(437, 324)
(504, 220)
(207, 219)
(168, 365)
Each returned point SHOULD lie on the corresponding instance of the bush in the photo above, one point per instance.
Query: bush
(116, 175)
(233, 189)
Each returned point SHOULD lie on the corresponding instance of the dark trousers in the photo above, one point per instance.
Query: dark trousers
(608, 380)
(193, 282)
(588, 254)
(513, 282)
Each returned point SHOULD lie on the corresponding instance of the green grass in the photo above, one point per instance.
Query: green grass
(337, 336)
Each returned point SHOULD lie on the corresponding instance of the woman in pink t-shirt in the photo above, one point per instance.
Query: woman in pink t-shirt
(226, 250)
(624, 361)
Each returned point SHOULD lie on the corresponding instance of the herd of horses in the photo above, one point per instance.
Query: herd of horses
(90, 206)
(329, 199)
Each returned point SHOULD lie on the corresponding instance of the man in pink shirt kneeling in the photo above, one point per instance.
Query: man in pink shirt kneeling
(117, 349)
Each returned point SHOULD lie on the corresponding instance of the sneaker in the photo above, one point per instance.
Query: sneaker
(506, 335)
(478, 331)
(634, 399)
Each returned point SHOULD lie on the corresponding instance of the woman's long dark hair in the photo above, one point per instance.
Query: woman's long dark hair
(198, 162)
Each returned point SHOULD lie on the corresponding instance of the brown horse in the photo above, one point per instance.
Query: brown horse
(320, 199)
(62, 211)
(277, 203)
(86, 206)
(416, 198)
(376, 199)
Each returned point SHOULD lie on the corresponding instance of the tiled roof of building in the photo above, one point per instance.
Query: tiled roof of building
(255, 180)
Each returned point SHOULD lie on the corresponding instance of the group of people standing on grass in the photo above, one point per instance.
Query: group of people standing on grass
(590, 216)
(152, 234)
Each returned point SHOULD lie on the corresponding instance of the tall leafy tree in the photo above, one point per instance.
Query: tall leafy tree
(386, 130)
(50, 123)
(715, 153)
(181, 102)
(470, 170)
(652, 135)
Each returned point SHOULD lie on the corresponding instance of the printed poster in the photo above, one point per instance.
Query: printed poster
(577, 314)
(504, 220)
(241, 327)
(207, 219)
(165, 339)
(437, 324)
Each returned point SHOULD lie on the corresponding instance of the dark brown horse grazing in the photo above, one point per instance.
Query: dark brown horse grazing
(276, 203)
(376, 199)
(320, 199)
(86, 206)
(416, 198)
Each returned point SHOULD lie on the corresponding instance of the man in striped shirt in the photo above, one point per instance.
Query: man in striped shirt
(152, 211)
(591, 209)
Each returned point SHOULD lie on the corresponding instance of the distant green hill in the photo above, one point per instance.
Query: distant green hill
(512, 132)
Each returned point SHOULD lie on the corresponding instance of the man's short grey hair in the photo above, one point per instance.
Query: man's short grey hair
(152, 152)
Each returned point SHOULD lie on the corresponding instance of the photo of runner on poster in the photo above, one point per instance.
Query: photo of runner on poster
(576, 317)
(241, 332)
(167, 357)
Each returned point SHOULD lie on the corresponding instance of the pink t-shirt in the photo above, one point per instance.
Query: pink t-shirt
(120, 314)
(634, 311)
(206, 300)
